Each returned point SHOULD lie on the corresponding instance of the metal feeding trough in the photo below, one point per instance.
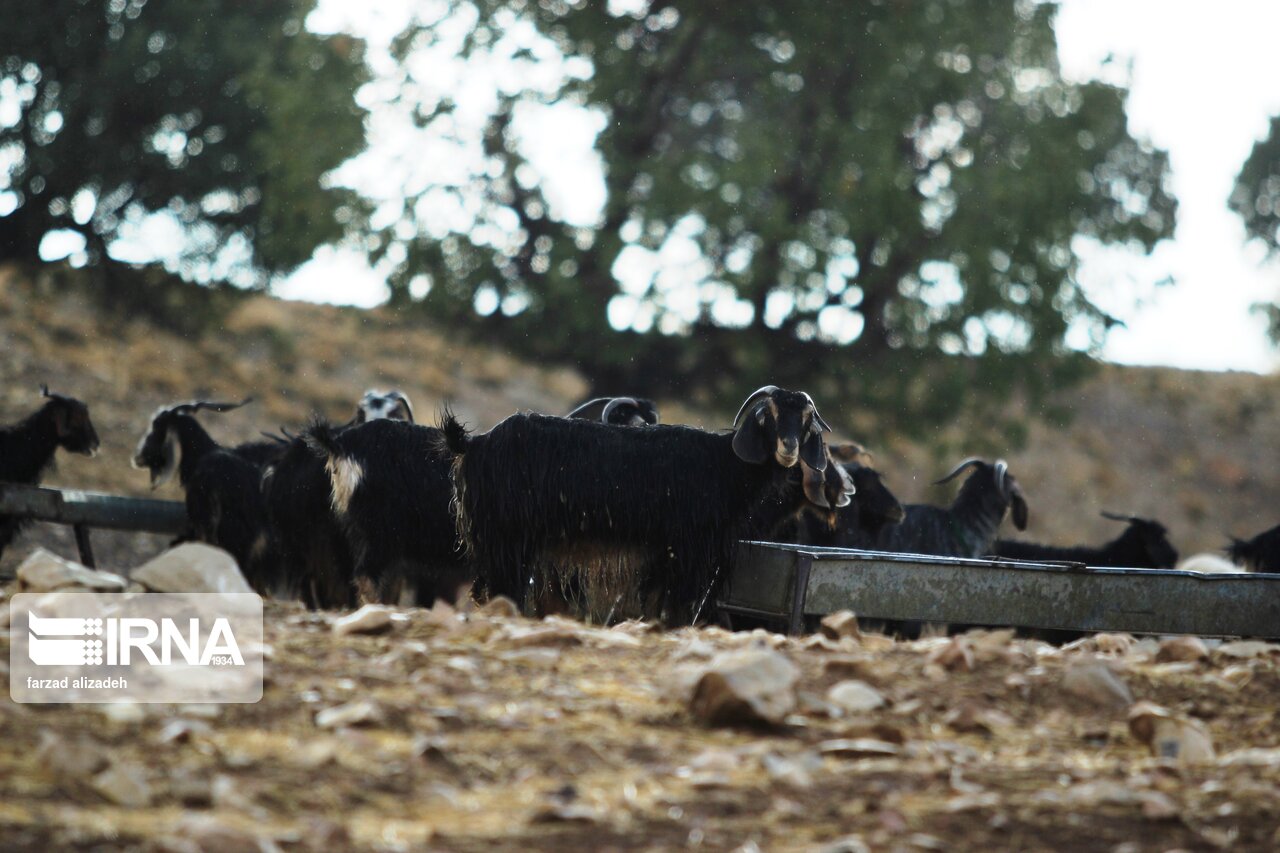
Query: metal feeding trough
(788, 585)
(83, 510)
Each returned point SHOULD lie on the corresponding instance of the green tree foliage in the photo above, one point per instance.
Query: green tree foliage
(884, 196)
(1256, 197)
(224, 114)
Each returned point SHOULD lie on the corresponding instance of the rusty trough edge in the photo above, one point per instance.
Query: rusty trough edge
(767, 578)
(92, 509)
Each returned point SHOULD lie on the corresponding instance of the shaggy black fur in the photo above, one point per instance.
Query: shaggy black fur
(1144, 544)
(27, 448)
(651, 514)
(313, 560)
(222, 485)
(1259, 554)
(390, 492)
(872, 509)
(966, 528)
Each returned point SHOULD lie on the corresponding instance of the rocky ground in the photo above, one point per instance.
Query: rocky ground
(480, 730)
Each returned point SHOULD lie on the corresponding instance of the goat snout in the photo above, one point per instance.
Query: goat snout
(787, 453)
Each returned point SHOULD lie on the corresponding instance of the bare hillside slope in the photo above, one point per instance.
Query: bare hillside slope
(1197, 450)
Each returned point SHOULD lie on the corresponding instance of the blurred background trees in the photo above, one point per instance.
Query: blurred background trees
(874, 201)
(883, 200)
(224, 115)
(1256, 198)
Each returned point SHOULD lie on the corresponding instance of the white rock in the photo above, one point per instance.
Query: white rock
(1094, 681)
(360, 712)
(855, 697)
(192, 567)
(44, 571)
(370, 619)
(124, 785)
(746, 686)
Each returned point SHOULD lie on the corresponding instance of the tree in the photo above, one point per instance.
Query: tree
(224, 114)
(1256, 197)
(884, 198)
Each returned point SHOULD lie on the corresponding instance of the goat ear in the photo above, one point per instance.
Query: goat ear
(404, 401)
(813, 452)
(1018, 505)
(60, 423)
(814, 481)
(750, 443)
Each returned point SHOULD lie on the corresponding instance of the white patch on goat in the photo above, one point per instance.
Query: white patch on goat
(1210, 564)
(344, 476)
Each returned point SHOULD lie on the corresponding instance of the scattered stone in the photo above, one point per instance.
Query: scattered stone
(955, 656)
(499, 607)
(45, 571)
(974, 719)
(1170, 736)
(370, 619)
(192, 567)
(213, 834)
(125, 785)
(1246, 649)
(180, 730)
(862, 747)
(521, 637)
(191, 788)
(123, 712)
(1116, 645)
(1159, 806)
(1095, 682)
(71, 758)
(359, 713)
(855, 697)
(795, 770)
(1252, 758)
(840, 624)
(567, 813)
(747, 686)
(1178, 649)
(847, 844)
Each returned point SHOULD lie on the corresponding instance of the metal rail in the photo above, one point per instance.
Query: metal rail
(790, 584)
(85, 510)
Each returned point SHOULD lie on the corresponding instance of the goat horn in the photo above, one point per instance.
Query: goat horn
(756, 395)
(615, 403)
(956, 471)
(44, 390)
(817, 417)
(1002, 474)
(1115, 516)
(586, 409)
(197, 405)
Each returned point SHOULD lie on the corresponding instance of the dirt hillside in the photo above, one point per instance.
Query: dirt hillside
(1199, 451)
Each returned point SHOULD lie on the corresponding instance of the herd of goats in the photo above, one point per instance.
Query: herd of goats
(605, 513)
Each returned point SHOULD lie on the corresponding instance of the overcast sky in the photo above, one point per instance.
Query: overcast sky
(1203, 82)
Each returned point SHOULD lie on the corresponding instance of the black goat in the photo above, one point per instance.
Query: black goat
(966, 528)
(1144, 544)
(27, 448)
(623, 411)
(872, 509)
(389, 491)
(1259, 554)
(630, 520)
(223, 495)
